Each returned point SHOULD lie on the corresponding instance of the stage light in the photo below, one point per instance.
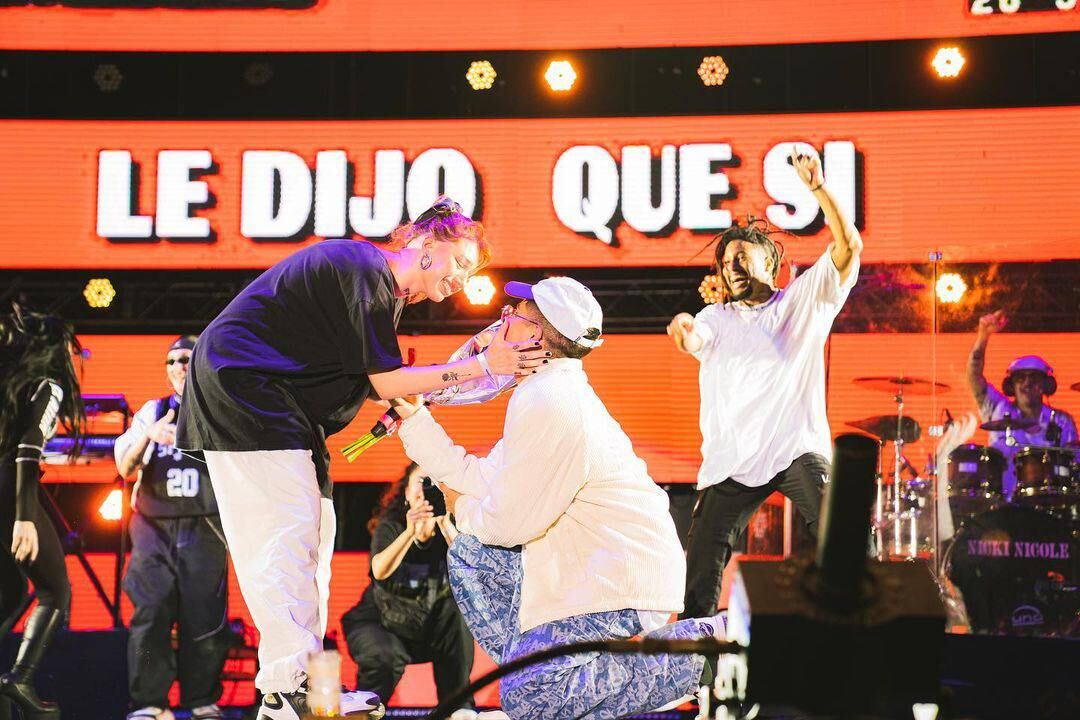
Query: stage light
(481, 75)
(108, 77)
(99, 293)
(951, 288)
(560, 75)
(113, 506)
(710, 289)
(258, 74)
(712, 70)
(479, 289)
(948, 62)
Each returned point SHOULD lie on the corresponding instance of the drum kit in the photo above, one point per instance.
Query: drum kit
(1016, 560)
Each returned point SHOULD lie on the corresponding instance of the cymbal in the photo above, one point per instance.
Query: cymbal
(910, 385)
(883, 427)
(1009, 423)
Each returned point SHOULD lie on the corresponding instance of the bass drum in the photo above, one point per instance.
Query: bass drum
(1017, 569)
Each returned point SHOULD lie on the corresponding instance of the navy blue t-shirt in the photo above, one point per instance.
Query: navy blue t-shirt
(286, 363)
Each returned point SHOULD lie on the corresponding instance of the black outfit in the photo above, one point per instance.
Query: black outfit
(409, 618)
(723, 512)
(20, 472)
(286, 363)
(177, 574)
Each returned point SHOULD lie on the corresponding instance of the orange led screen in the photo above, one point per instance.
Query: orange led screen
(552, 192)
(362, 25)
(648, 387)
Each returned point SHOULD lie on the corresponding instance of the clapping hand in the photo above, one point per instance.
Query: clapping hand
(163, 432)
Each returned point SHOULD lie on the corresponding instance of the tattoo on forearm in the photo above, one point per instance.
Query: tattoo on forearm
(450, 377)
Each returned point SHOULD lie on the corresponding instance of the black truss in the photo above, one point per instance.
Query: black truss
(1039, 297)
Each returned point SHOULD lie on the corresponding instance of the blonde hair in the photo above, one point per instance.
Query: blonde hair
(445, 222)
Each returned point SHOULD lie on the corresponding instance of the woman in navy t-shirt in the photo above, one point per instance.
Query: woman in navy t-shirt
(289, 362)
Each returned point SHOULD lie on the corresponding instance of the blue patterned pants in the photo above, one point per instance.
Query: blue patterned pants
(486, 582)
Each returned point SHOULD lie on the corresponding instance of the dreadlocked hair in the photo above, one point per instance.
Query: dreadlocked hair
(757, 231)
(34, 347)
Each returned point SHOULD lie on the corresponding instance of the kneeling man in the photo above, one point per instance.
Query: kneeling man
(564, 536)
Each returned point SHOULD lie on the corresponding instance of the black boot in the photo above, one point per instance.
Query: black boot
(18, 685)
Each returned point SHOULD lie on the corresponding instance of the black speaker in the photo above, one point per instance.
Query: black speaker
(835, 634)
(878, 658)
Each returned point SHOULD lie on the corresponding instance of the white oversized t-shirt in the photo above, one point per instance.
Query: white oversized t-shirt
(762, 377)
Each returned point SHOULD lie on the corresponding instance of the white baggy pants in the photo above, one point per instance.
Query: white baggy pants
(280, 532)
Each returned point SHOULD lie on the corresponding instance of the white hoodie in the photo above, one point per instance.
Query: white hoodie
(565, 484)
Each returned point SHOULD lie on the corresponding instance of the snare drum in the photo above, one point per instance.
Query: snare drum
(1045, 476)
(975, 478)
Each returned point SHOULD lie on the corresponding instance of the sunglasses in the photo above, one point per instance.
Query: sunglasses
(441, 209)
(182, 360)
(509, 311)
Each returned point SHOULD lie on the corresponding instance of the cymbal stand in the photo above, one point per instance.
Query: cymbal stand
(898, 454)
(879, 504)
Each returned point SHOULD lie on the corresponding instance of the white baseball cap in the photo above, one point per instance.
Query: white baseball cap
(568, 305)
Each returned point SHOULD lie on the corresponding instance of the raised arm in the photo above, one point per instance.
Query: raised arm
(846, 244)
(988, 325)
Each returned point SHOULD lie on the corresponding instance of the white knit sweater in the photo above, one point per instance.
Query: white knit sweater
(565, 484)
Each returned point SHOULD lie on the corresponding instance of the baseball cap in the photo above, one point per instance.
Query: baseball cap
(1029, 363)
(184, 342)
(568, 305)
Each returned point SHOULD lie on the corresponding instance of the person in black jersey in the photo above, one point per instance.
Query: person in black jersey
(407, 614)
(178, 569)
(288, 363)
(40, 391)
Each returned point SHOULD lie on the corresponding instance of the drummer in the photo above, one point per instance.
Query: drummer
(1022, 397)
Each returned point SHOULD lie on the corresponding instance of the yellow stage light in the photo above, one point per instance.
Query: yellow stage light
(99, 293)
(481, 75)
(479, 289)
(710, 289)
(948, 62)
(951, 288)
(560, 75)
(113, 506)
(712, 70)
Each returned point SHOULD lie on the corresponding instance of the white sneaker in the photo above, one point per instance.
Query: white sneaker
(464, 714)
(293, 706)
(151, 713)
(674, 704)
(362, 701)
(493, 715)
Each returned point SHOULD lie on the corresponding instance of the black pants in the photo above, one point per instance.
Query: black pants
(724, 510)
(177, 574)
(48, 572)
(381, 655)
